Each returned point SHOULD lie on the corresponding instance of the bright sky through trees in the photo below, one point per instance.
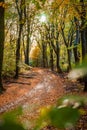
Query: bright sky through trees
(43, 18)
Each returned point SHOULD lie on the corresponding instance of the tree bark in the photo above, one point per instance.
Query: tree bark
(57, 51)
(21, 11)
(77, 40)
(2, 37)
(28, 36)
(43, 54)
(76, 56)
(18, 51)
(28, 43)
(69, 59)
(84, 37)
(83, 29)
(51, 58)
(57, 60)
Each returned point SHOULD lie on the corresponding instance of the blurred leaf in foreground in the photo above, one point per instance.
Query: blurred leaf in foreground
(72, 100)
(79, 71)
(65, 114)
(9, 120)
(64, 117)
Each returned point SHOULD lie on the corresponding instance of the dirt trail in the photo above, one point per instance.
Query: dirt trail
(34, 90)
(38, 86)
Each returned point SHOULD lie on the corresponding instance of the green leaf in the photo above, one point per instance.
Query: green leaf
(64, 117)
(12, 115)
(9, 120)
(72, 100)
(43, 1)
(36, 4)
(10, 126)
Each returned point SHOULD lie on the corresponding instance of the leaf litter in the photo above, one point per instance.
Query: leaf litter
(34, 90)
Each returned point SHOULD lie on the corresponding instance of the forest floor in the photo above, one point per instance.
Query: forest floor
(35, 89)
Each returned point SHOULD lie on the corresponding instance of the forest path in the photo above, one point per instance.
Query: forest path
(33, 90)
(36, 86)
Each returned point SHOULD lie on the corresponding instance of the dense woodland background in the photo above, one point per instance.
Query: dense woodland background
(45, 34)
(50, 34)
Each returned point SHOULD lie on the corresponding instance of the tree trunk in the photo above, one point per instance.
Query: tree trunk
(44, 50)
(84, 80)
(84, 37)
(28, 43)
(18, 51)
(83, 29)
(23, 45)
(43, 54)
(76, 56)
(57, 52)
(57, 59)
(85, 86)
(51, 58)
(1, 43)
(21, 13)
(28, 35)
(69, 60)
(77, 40)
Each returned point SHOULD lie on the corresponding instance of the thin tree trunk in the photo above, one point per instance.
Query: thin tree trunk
(21, 11)
(76, 55)
(18, 51)
(85, 86)
(69, 60)
(57, 52)
(51, 58)
(83, 29)
(43, 55)
(28, 43)
(2, 36)
(77, 40)
(57, 63)
(84, 37)
(23, 45)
